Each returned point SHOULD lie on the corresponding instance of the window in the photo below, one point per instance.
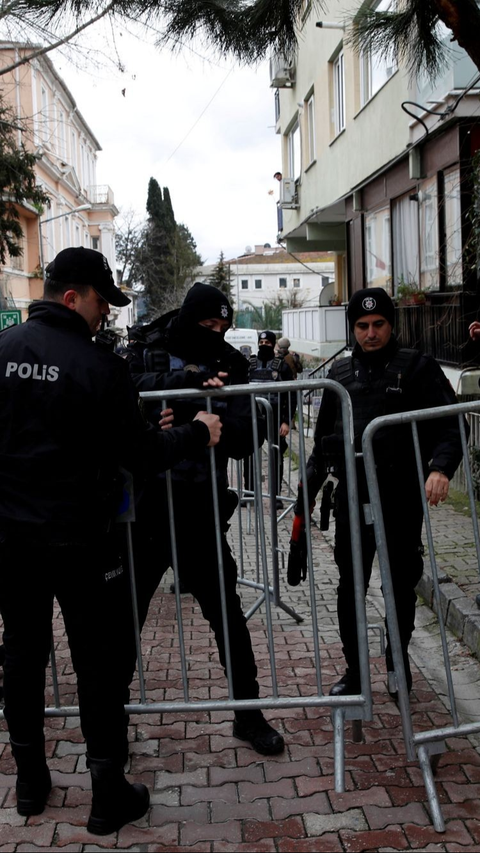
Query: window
(339, 94)
(258, 284)
(66, 232)
(453, 228)
(377, 249)
(244, 283)
(96, 243)
(406, 249)
(375, 70)
(294, 153)
(77, 235)
(82, 165)
(311, 129)
(86, 239)
(429, 256)
(282, 282)
(73, 141)
(296, 282)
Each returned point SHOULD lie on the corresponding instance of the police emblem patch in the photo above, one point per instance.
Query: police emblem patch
(224, 311)
(369, 303)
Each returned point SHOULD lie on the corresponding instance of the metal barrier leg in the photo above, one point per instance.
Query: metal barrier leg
(433, 801)
(53, 664)
(338, 716)
(357, 731)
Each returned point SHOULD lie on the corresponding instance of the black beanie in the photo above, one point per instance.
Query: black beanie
(203, 302)
(268, 336)
(370, 300)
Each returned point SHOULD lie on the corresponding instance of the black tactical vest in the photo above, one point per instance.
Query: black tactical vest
(371, 397)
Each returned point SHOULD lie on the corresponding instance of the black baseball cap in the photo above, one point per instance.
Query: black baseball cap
(78, 265)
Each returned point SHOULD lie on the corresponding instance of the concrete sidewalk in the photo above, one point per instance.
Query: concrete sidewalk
(211, 792)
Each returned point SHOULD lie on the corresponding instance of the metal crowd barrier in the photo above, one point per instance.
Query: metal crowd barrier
(426, 745)
(356, 708)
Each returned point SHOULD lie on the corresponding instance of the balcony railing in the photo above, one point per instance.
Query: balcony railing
(100, 194)
(440, 327)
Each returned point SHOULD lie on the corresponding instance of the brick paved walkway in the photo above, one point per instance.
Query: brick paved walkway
(211, 792)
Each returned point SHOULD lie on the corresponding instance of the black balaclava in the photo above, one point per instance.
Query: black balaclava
(266, 353)
(196, 342)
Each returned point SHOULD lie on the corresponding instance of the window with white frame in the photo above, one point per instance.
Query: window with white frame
(453, 228)
(66, 232)
(376, 69)
(258, 284)
(294, 152)
(77, 235)
(282, 282)
(378, 268)
(73, 152)
(96, 243)
(311, 128)
(296, 282)
(244, 283)
(429, 254)
(339, 93)
(406, 248)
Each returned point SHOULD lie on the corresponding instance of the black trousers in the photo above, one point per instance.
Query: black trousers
(198, 570)
(92, 589)
(278, 462)
(403, 518)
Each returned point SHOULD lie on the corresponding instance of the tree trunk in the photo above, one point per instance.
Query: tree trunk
(462, 17)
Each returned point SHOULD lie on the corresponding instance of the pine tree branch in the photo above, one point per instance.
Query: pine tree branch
(43, 50)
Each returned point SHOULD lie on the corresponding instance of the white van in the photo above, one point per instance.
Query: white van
(245, 340)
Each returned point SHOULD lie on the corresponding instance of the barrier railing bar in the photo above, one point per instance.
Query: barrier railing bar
(434, 567)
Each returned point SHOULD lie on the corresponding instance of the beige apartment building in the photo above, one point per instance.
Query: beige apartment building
(81, 212)
(390, 192)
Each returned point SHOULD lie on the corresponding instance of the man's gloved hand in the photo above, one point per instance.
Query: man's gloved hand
(297, 557)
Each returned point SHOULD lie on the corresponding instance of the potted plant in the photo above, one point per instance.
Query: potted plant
(335, 300)
(409, 293)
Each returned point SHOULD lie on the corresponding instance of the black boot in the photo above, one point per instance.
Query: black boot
(115, 801)
(33, 777)
(349, 684)
(252, 726)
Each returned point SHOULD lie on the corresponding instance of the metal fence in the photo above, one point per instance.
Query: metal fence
(426, 745)
(261, 524)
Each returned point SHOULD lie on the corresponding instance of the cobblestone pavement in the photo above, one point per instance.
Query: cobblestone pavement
(211, 792)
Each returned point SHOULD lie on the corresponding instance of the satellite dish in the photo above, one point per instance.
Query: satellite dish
(248, 250)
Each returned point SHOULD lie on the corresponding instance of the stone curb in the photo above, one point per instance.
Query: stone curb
(461, 614)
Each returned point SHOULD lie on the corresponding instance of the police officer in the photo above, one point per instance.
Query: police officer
(382, 378)
(69, 417)
(187, 349)
(266, 366)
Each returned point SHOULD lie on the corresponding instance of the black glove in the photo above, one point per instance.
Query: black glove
(297, 557)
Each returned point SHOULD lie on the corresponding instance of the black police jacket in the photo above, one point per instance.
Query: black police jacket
(275, 370)
(377, 390)
(154, 367)
(69, 417)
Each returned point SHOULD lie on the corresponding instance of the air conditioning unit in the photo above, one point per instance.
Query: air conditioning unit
(288, 194)
(282, 71)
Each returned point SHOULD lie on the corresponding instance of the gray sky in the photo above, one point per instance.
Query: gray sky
(218, 166)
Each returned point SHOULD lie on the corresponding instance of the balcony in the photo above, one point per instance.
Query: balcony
(440, 327)
(100, 194)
